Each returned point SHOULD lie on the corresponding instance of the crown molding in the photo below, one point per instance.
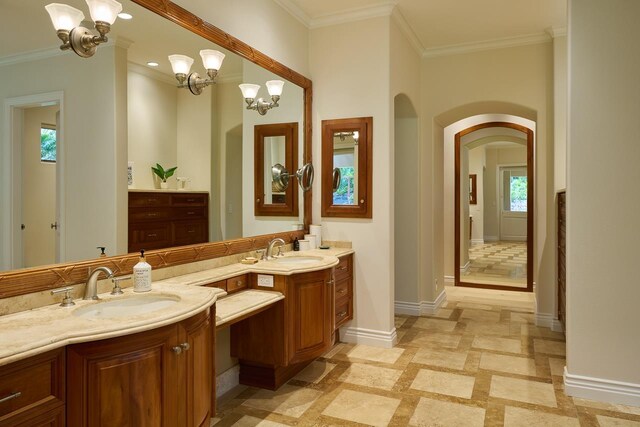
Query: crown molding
(556, 31)
(487, 45)
(353, 15)
(408, 32)
(151, 73)
(32, 55)
(295, 11)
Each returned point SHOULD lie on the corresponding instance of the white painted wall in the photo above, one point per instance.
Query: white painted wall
(38, 190)
(560, 95)
(516, 81)
(193, 142)
(602, 203)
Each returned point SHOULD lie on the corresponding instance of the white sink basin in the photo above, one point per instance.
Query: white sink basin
(126, 306)
(297, 259)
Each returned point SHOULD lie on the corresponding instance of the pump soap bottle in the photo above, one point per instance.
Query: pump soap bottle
(142, 275)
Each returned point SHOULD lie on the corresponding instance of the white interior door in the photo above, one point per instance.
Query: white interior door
(513, 203)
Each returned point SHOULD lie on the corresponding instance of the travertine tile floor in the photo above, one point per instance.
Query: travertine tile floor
(480, 361)
(499, 263)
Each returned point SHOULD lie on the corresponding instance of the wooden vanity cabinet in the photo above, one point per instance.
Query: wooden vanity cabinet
(159, 377)
(32, 391)
(343, 291)
(274, 345)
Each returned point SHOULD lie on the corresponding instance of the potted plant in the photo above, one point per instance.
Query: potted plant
(163, 174)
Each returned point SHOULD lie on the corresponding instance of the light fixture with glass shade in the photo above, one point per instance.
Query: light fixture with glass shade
(181, 64)
(66, 21)
(250, 92)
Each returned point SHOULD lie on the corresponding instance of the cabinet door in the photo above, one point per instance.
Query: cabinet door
(124, 381)
(310, 318)
(197, 333)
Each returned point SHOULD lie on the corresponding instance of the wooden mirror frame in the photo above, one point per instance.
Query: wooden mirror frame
(29, 280)
(473, 191)
(364, 126)
(290, 205)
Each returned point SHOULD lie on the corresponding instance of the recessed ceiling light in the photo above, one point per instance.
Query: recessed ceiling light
(125, 16)
(152, 64)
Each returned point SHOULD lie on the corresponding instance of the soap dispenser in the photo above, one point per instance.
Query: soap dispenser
(142, 275)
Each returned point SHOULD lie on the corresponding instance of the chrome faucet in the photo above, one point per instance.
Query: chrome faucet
(91, 291)
(272, 245)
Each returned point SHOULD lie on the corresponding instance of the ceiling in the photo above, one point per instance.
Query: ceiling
(444, 23)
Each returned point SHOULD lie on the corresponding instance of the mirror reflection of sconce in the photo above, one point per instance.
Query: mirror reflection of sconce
(337, 177)
(66, 21)
(281, 177)
(250, 91)
(181, 65)
(343, 135)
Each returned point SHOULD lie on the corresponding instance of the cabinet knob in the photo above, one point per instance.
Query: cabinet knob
(185, 346)
(342, 267)
(330, 282)
(342, 291)
(344, 313)
(177, 349)
(361, 201)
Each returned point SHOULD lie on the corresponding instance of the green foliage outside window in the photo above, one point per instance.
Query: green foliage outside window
(518, 193)
(344, 194)
(47, 145)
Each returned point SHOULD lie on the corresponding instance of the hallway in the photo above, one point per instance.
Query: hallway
(497, 263)
(480, 361)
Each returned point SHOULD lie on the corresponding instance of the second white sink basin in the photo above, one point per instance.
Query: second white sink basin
(298, 259)
(126, 306)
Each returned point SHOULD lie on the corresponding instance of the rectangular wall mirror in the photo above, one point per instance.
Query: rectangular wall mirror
(347, 168)
(115, 115)
(276, 146)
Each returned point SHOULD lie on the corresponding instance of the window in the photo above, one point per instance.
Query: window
(515, 190)
(344, 195)
(48, 143)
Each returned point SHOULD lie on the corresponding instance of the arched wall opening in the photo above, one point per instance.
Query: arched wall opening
(406, 207)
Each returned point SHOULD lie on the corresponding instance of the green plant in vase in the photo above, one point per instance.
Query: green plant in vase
(163, 174)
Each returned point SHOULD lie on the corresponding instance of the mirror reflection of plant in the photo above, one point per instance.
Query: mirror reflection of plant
(162, 173)
(344, 194)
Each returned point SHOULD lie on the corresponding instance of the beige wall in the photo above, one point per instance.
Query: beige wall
(193, 142)
(38, 190)
(516, 81)
(476, 166)
(560, 94)
(602, 221)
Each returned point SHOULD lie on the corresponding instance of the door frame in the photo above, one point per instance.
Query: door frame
(530, 205)
(10, 189)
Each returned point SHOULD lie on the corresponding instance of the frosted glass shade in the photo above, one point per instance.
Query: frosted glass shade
(104, 10)
(249, 90)
(211, 59)
(275, 87)
(64, 17)
(181, 64)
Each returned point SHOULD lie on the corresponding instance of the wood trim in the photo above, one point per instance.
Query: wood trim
(364, 125)
(530, 205)
(25, 281)
(290, 132)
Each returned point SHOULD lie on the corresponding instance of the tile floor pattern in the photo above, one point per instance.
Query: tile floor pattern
(503, 263)
(477, 362)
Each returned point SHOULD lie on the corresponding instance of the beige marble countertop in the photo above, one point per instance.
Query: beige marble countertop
(235, 306)
(36, 331)
(329, 258)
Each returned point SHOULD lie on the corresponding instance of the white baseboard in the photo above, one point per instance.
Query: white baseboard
(422, 308)
(227, 380)
(477, 241)
(601, 389)
(370, 337)
(449, 280)
(490, 238)
(547, 320)
(465, 267)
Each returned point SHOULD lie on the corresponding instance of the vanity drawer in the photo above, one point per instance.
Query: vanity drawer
(148, 199)
(149, 236)
(221, 284)
(145, 214)
(190, 232)
(344, 312)
(31, 387)
(345, 268)
(236, 284)
(343, 288)
(189, 212)
(189, 199)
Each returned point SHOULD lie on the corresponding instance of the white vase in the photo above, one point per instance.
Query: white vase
(164, 185)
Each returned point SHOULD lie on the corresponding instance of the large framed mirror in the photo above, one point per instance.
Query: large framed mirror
(276, 153)
(347, 186)
(114, 116)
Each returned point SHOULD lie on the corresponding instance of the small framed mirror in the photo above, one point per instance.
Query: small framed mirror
(347, 186)
(473, 192)
(276, 150)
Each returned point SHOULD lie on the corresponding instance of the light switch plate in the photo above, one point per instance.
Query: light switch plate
(265, 280)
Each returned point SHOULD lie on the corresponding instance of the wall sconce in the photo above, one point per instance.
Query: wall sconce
(181, 64)
(66, 21)
(344, 135)
(250, 91)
